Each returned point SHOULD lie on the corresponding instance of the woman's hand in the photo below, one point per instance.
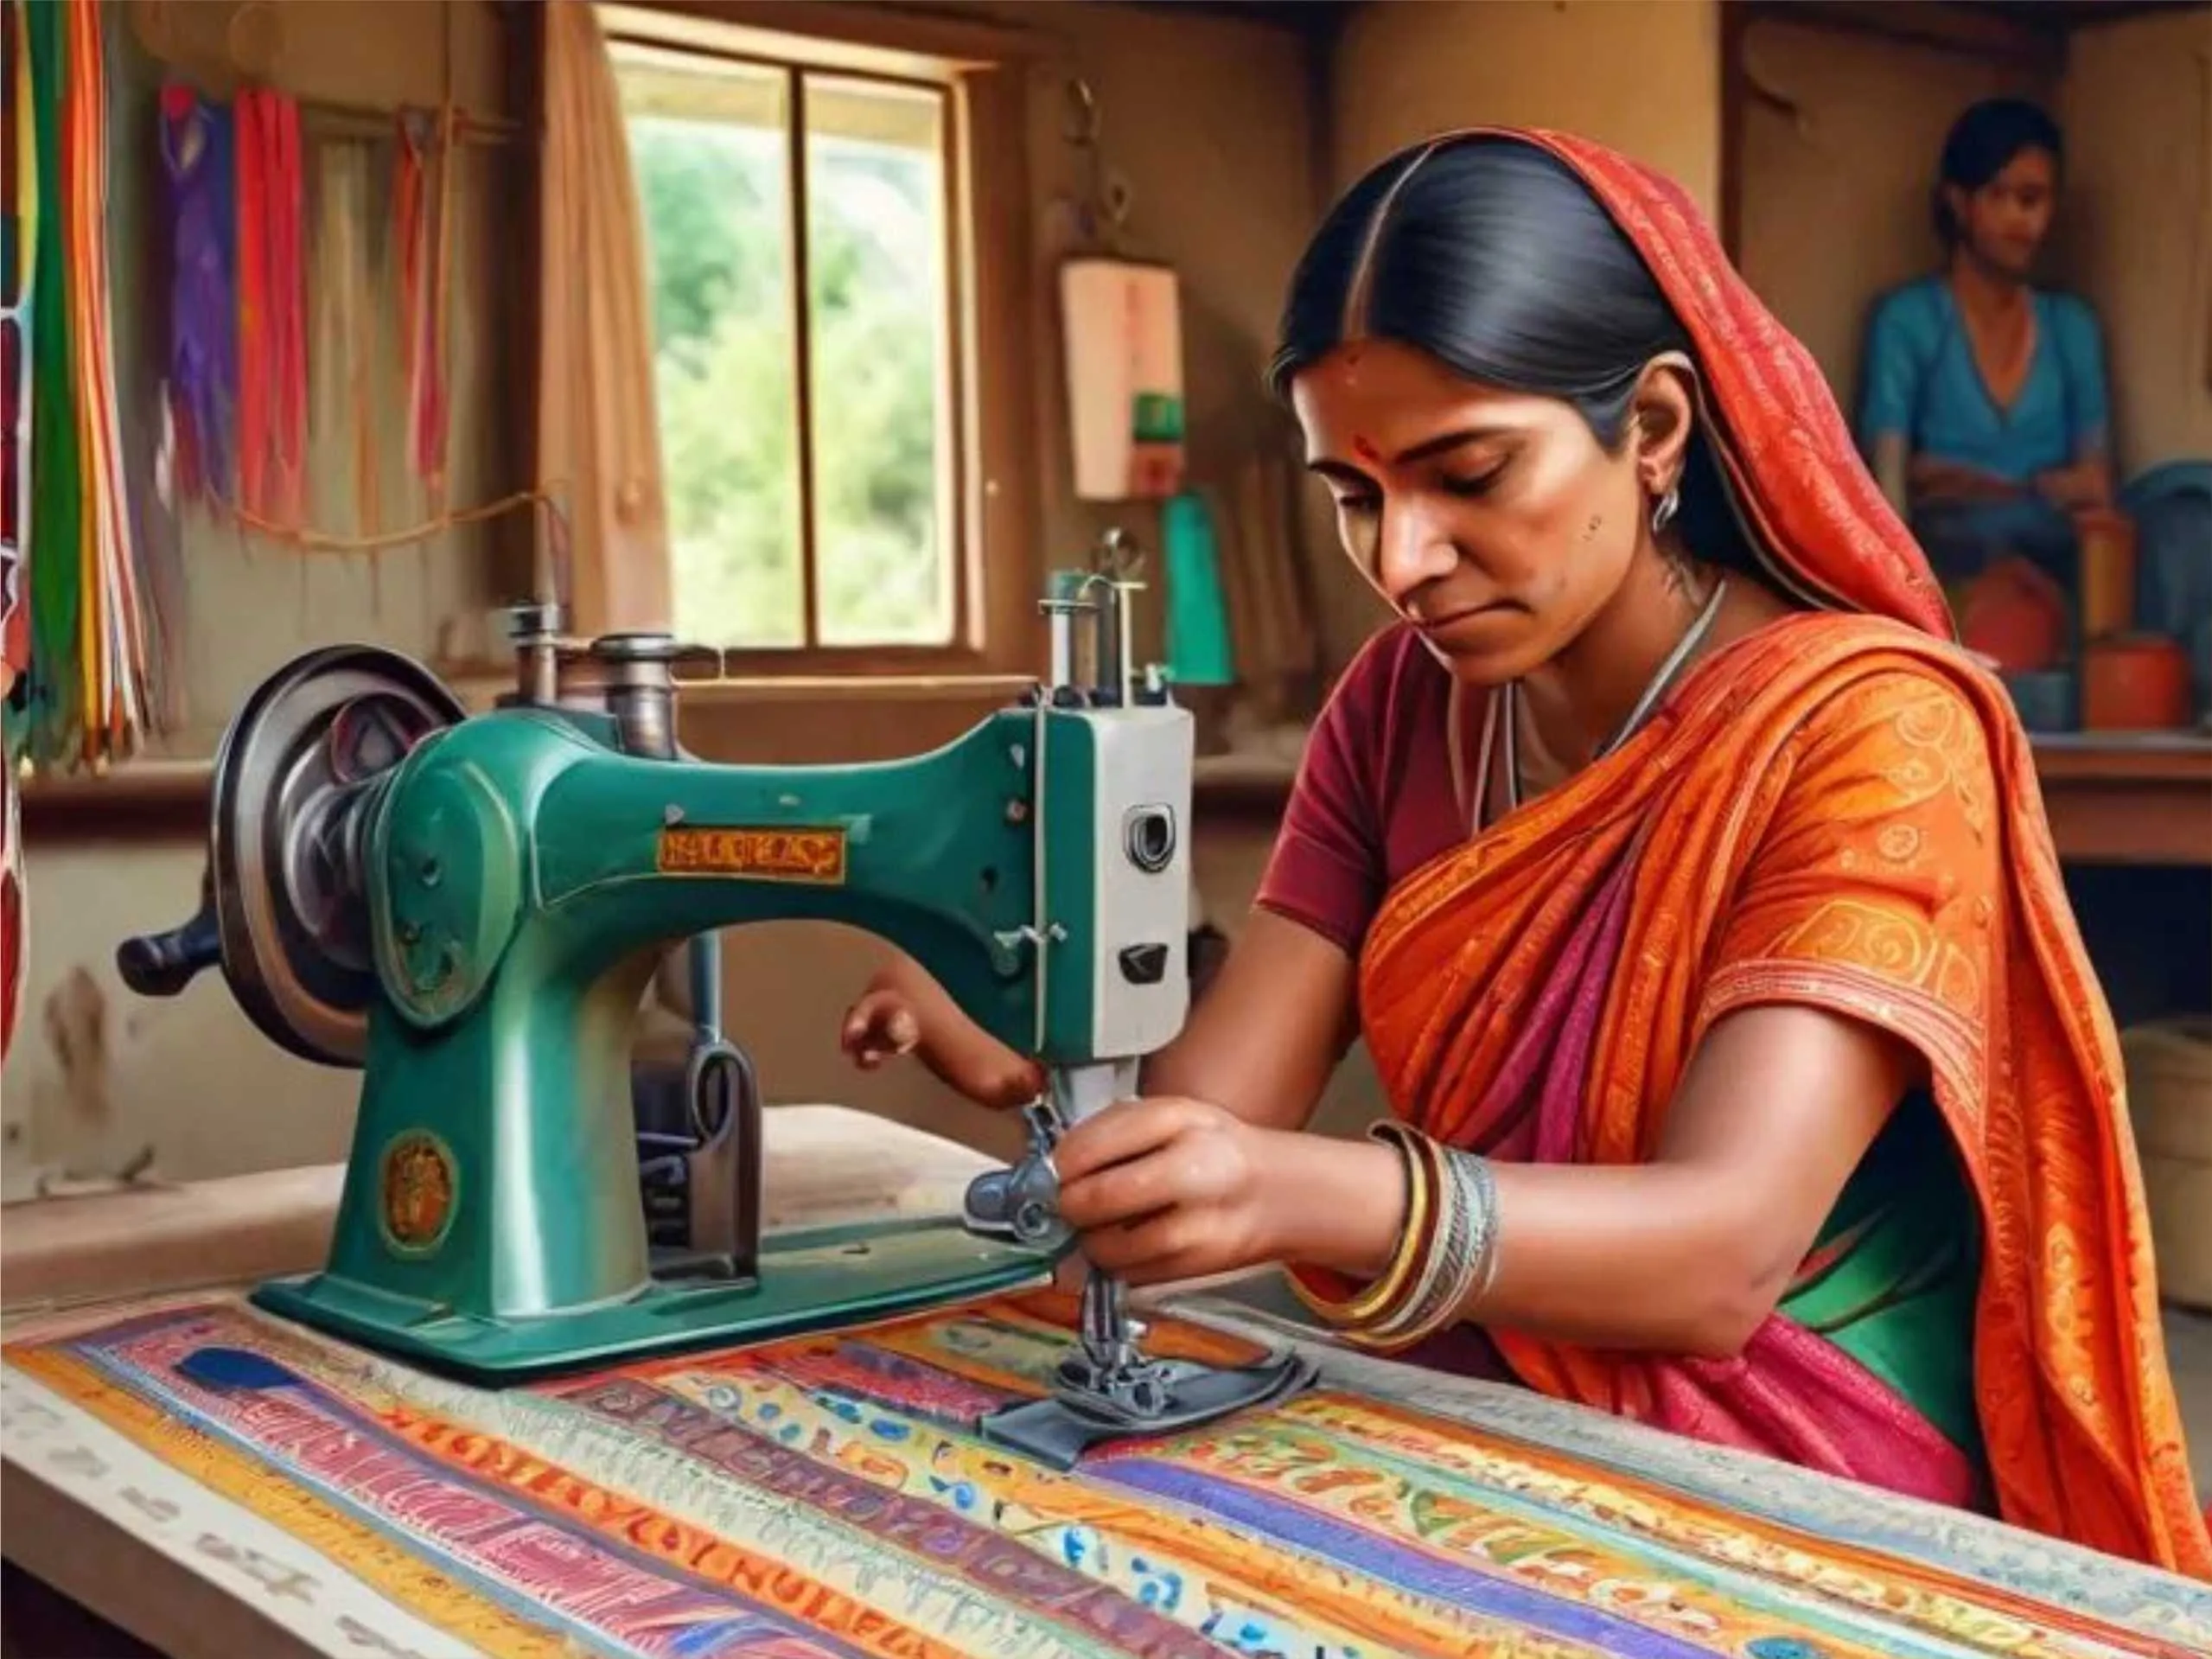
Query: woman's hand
(881, 1026)
(1171, 1188)
(903, 1011)
(2085, 486)
(1168, 1188)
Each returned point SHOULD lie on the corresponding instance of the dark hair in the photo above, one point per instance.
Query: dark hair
(1982, 143)
(1492, 257)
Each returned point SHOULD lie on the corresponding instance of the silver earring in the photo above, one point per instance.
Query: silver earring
(1663, 514)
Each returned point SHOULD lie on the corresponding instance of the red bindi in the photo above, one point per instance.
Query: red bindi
(1365, 450)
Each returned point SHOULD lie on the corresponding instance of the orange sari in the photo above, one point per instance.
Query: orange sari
(1840, 810)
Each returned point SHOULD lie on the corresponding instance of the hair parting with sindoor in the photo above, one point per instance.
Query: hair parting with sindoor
(1492, 257)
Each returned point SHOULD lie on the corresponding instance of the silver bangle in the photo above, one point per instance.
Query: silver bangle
(1465, 1259)
(1442, 1265)
(1486, 1270)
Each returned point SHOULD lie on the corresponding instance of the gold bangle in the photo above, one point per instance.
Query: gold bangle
(1444, 1250)
(1469, 1250)
(1367, 1306)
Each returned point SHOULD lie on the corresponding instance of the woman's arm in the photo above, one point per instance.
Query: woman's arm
(1933, 481)
(2086, 480)
(1261, 1043)
(2084, 485)
(1270, 1031)
(1690, 1252)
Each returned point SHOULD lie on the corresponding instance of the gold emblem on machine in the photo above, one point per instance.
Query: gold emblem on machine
(815, 855)
(416, 1194)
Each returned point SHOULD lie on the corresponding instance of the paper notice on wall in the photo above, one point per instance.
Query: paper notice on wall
(1122, 332)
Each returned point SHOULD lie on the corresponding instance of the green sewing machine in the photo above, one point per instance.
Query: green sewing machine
(470, 911)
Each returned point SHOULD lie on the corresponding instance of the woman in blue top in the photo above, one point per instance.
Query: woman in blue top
(1984, 413)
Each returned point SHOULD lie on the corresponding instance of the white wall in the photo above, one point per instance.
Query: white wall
(2136, 102)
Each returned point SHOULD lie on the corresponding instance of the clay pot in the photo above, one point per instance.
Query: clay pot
(2015, 615)
(2135, 682)
(2106, 551)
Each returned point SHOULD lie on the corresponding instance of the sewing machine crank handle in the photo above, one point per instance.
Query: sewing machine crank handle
(162, 963)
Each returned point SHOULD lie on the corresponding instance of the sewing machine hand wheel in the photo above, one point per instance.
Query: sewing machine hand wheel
(162, 963)
(282, 910)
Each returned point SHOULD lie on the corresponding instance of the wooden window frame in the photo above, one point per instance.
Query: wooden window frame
(994, 514)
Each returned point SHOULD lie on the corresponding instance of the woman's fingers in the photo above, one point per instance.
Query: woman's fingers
(1139, 1250)
(1118, 1194)
(1125, 1130)
(879, 1026)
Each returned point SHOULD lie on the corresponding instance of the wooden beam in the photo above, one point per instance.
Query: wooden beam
(1318, 20)
(1974, 31)
(2069, 17)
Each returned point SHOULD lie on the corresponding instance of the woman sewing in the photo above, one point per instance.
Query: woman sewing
(1687, 883)
(1984, 411)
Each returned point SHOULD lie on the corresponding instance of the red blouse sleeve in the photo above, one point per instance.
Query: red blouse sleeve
(1327, 871)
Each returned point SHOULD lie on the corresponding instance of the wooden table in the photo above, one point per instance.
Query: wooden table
(65, 1528)
(1656, 1544)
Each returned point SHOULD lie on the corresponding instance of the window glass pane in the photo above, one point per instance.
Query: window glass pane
(710, 148)
(881, 312)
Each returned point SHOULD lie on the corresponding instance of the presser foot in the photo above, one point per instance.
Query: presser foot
(1154, 1398)
(1107, 1388)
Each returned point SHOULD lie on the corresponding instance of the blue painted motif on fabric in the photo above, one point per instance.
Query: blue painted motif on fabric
(234, 1368)
(1783, 1647)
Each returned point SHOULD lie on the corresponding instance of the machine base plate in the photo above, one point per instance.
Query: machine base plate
(822, 1279)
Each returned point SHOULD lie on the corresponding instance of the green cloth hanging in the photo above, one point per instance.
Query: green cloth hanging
(57, 504)
(1199, 651)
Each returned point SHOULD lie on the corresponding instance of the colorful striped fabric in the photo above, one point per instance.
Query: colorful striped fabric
(827, 1496)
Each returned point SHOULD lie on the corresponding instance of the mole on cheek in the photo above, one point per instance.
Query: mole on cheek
(1597, 523)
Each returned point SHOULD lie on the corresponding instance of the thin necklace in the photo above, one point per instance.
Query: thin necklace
(1504, 725)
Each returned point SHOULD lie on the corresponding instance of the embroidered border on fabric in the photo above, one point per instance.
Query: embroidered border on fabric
(1952, 1045)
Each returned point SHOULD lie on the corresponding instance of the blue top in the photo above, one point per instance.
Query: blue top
(1922, 382)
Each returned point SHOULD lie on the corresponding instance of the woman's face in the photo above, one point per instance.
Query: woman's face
(1494, 521)
(2005, 223)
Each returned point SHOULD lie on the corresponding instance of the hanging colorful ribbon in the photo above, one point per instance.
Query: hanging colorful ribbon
(345, 415)
(86, 696)
(253, 331)
(288, 304)
(203, 377)
(56, 504)
(421, 241)
(18, 241)
(271, 327)
(114, 633)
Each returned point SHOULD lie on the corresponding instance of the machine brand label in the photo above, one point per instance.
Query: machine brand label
(416, 1191)
(797, 855)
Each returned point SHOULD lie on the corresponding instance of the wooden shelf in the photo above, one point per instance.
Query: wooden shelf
(2176, 758)
(2121, 799)
(139, 801)
(2128, 800)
